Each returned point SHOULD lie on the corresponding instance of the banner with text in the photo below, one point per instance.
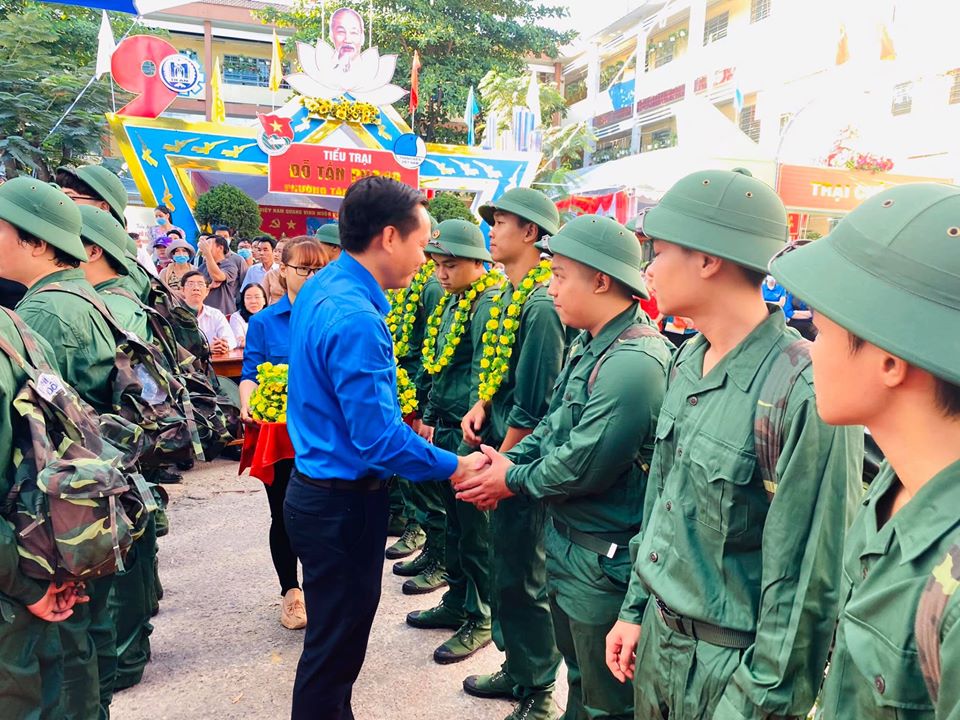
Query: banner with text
(292, 221)
(327, 171)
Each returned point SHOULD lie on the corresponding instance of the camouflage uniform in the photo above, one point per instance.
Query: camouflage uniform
(31, 656)
(897, 641)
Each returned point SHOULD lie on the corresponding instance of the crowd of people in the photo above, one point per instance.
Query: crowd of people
(639, 469)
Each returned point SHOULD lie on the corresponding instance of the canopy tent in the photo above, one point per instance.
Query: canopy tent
(707, 140)
(133, 7)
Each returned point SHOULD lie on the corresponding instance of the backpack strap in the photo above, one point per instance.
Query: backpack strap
(631, 333)
(943, 583)
(769, 419)
(35, 359)
(91, 298)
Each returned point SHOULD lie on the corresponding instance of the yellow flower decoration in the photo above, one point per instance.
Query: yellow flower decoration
(461, 315)
(502, 331)
(268, 403)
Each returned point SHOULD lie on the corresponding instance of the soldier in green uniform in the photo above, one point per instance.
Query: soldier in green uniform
(588, 458)
(133, 595)
(49, 251)
(737, 567)
(451, 359)
(96, 186)
(885, 290)
(524, 348)
(31, 656)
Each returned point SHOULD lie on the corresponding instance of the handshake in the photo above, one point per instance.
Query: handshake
(481, 478)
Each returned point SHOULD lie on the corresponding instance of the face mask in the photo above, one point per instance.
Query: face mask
(181, 259)
(161, 220)
(245, 253)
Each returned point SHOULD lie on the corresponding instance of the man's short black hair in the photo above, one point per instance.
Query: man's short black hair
(373, 203)
(223, 243)
(69, 181)
(221, 228)
(193, 273)
(60, 258)
(266, 239)
(175, 231)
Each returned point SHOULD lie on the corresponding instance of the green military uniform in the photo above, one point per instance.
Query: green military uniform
(85, 359)
(31, 656)
(522, 627)
(133, 595)
(898, 630)
(736, 590)
(588, 461)
(452, 392)
(329, 234)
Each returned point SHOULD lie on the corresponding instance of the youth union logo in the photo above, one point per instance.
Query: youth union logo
(179, 73)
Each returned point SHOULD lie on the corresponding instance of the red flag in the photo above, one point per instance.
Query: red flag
(276, 125)
(415, 82)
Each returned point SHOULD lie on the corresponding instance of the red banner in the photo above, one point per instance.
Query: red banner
(307, 169)
(835, 190)
(293, 221)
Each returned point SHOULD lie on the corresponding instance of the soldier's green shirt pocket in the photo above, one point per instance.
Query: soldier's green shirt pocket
(891, 671)
(721, 476)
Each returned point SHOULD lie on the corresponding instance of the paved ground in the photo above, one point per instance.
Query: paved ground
(219, 650)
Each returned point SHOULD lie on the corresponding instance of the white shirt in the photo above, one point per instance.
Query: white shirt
(214, 325)
(238, 324)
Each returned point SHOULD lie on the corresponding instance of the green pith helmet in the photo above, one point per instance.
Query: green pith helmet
(460, 239)
(40, 209)
(889, 273)
(434, 225)
(329, 234)
(102, 229)
(106, 184)
(527, 203)
(726, 213)
(603, 244)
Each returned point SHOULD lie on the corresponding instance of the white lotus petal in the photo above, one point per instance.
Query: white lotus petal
(384, 74)
(324, 55)
(386, 95)
(363, 70)
(311, 88)
(306, 54)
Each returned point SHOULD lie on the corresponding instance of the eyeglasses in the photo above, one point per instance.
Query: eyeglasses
(303, 270)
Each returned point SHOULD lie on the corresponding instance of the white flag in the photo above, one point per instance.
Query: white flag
(105, 46)
(533, 99)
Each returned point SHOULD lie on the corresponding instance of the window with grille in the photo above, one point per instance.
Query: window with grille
(749, 123)
(955, 88)
(759, 10)
(715, 28)
(902, 98)
(243, 70)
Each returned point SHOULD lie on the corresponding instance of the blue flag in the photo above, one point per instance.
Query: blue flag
(469, 113)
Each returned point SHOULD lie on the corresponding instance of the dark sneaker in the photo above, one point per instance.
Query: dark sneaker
(436, 618)
(396, 526)
(412, 540)
(433, 577)
(470, 638)
(495, 685)
(165, 477)
(410, 568)
(538, 706)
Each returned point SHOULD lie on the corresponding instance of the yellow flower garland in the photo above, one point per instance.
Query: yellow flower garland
(403, 311)
(501, 334)
(431, 363)
(406, 392)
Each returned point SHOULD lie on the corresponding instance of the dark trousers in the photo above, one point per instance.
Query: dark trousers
(284, 558)
(339, 536)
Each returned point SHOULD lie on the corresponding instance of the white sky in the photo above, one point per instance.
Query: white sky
(588, 16)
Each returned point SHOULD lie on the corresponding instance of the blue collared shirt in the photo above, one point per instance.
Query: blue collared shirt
(268, 337)
(342, 411)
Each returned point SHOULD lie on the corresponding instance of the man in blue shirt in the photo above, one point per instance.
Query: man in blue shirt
(349, 437)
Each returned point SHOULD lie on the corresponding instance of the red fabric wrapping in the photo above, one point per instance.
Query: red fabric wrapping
(264, 445)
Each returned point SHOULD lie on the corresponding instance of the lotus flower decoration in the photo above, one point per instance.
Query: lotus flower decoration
(366, 78)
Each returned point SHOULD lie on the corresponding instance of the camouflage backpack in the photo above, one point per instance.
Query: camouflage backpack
(943, 583)
(201, 380)
(145, 393)
(74, 505)
(208, 404)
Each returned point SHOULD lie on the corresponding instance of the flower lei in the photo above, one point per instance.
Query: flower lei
(502, 328)
(403, 310)
(400, 321)
(431, 363)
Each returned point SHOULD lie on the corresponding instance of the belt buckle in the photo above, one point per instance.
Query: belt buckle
(612, 550)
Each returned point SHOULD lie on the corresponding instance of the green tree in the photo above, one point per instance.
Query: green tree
(458, 42)
(228, 205)
(450, 206)
(49, 54)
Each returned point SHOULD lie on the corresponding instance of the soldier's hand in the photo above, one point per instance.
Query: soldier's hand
(622, 643)
(426, 432)
(56, 604)
(489, 486)
(473, 422)
(467, 466)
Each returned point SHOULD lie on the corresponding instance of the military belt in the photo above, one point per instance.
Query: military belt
(698, 630)
(608, 545)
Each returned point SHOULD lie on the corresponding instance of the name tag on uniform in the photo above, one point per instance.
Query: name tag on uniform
(48, 386)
